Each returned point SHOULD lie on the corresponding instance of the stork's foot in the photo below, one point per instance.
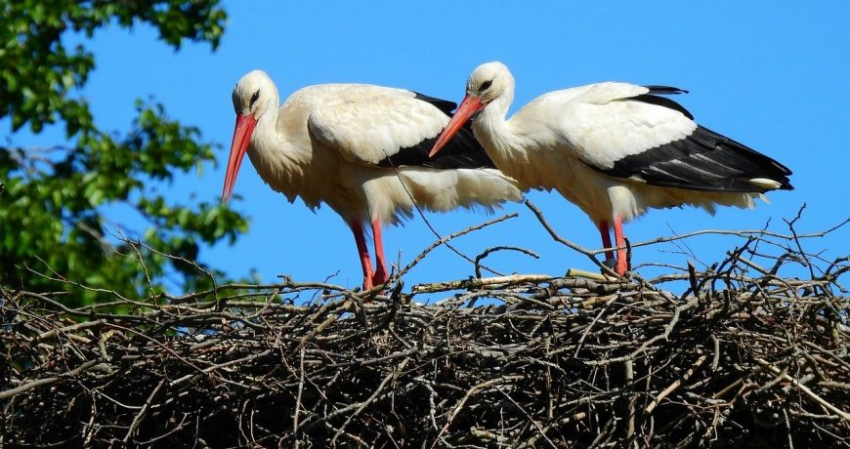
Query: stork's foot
(380, 277)
(618, 266)
(622, 266)
(374, 279)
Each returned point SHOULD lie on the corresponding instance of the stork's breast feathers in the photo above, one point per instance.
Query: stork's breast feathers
(375, 127)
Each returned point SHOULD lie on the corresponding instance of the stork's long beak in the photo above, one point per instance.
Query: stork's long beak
(468, 108)
(245, 124)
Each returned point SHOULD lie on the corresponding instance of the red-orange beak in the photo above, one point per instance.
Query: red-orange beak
(245, 124)
(468, 108)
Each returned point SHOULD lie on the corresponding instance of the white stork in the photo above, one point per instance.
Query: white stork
(362, 150)
(613, 149)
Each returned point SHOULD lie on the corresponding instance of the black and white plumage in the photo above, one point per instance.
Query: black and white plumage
(362, 150)
(613, 149)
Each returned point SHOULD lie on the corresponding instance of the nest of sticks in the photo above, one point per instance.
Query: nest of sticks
(742, 358)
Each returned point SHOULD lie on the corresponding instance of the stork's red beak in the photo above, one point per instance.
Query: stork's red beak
(245, 124)
(468, 108)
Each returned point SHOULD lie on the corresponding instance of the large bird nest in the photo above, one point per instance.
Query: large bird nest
(742, 358)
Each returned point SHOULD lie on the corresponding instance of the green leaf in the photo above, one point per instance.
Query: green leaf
(56, 216)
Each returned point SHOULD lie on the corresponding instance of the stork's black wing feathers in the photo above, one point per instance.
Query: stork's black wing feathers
(706, 161)
(653, 98)
(665, 90)
(463, 151)
(444, 105)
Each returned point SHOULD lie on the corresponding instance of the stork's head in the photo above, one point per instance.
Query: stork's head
(488, 82)
(253, 95)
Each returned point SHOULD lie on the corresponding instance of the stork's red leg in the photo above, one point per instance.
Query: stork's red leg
(622, 259)
(363, 251)
(606, 239)
(381, 274)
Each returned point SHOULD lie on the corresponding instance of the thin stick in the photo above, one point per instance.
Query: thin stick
(474, 283)
(444, 240)
(672, 387)
(139, 416)
(775, 370)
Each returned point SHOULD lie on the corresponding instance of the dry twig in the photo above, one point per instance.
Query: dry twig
(744, 356)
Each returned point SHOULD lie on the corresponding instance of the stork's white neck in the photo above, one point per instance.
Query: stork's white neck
(266, 139)
(492, 130)
(276, 153)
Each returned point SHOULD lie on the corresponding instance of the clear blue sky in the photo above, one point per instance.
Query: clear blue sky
(771, 75)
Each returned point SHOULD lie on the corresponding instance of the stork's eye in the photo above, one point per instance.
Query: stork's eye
(485, 85)
(254, 98)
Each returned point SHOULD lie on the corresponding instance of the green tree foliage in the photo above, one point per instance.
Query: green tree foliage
(53, 200)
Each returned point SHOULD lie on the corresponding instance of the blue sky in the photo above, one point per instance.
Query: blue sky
(771, 75)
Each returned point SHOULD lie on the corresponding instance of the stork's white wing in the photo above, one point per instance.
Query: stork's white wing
(605, 122)
(368, 128)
